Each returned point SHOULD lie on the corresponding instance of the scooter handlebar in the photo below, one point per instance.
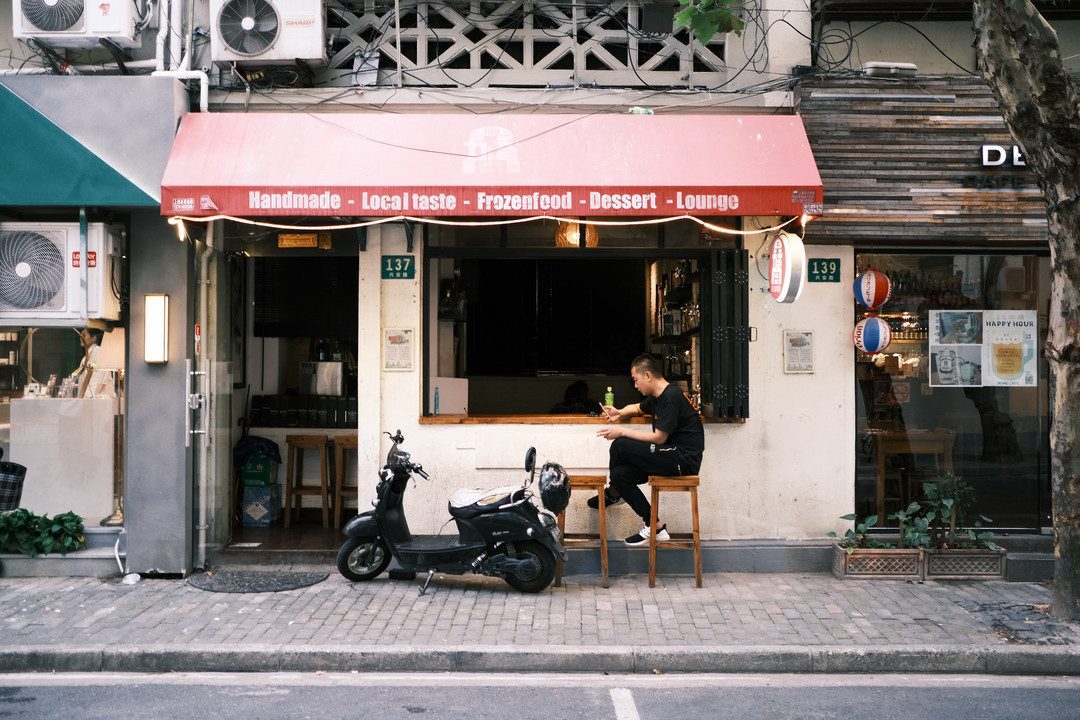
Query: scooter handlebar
(419, 470)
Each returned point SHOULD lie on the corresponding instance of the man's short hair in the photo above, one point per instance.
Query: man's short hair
(648, 363)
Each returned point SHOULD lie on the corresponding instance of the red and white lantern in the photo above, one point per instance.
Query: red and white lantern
(872, 289)
(872, 334)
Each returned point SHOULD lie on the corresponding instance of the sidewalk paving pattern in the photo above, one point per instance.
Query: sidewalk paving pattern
(756, 622)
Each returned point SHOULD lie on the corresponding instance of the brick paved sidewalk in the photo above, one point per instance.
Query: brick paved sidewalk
(743, 622)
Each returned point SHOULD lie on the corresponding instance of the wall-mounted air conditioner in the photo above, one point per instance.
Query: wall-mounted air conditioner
(75, 23)
(41, 271)
(260, 32)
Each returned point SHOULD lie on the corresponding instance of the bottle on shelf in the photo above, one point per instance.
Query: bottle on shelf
(609, 398)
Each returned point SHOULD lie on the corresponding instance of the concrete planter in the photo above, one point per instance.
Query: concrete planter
(902, 563)
(964, 564)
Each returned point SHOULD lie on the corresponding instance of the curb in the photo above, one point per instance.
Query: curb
(1007, 660)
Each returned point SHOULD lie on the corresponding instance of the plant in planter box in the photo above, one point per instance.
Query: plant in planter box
(858, 537)
(957, 550)
(949, 502)
(914, 526)
(860, 555)
(24, 532)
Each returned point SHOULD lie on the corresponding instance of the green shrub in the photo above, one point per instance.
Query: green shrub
(24, 532)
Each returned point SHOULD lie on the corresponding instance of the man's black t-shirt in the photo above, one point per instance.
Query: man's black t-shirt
(673, 413)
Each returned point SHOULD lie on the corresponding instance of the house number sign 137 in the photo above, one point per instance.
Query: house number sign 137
(395, 267)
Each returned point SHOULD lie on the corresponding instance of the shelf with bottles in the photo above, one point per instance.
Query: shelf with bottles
(11, 375)
(676, 307)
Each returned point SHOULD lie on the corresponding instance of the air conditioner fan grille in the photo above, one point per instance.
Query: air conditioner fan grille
(248, 27)
(31, 271)
(53, 15)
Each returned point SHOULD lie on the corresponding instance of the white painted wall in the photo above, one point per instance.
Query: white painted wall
(785, 473)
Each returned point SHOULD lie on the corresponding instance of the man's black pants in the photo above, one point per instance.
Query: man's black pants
(633, 461)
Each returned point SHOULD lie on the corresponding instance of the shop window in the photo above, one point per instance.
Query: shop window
(962, 384)
(510, 329)
(306, 296)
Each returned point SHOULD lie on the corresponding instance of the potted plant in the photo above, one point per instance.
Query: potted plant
(956, 549)
(860, 555)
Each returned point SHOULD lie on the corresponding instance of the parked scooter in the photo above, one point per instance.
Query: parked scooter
(500, 532)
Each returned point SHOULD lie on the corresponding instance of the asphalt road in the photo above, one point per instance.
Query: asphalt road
(536, 696)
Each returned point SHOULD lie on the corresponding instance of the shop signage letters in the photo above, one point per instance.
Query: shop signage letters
(998, 156)
(994, 155)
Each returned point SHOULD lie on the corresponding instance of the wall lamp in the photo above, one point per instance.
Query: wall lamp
(156, 331)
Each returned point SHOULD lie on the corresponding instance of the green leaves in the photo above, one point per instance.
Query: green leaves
(24, 532)
(706, 18)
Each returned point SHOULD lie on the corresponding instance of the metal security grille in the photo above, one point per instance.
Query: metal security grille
(729, 362)
(476, 43)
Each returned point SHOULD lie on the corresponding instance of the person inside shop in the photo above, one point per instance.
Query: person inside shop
(672, 445)
(576, 401)
(90, 340)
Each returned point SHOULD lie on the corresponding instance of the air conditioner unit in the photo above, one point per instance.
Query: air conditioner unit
(259, 32)
(75, 23)
(41, 271)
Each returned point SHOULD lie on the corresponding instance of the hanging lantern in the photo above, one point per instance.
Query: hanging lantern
(872, 289)
(569, 235)
(872, 334)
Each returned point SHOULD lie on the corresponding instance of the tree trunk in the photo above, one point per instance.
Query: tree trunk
(1019, 57)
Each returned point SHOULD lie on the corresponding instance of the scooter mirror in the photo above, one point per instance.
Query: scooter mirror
(530, 460)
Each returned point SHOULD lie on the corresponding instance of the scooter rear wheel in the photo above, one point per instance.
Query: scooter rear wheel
(542, 555)
(362, 558)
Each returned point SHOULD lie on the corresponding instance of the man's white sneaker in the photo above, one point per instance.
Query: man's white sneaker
(641, 537)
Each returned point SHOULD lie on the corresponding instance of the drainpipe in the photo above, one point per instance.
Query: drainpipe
(163, 32)
(84, 264)
(183, 72)
(204, 83)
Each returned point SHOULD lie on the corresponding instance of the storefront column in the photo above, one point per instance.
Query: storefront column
(369, 357)
(158, 494)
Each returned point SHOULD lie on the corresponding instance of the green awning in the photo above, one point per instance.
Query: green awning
(41, 164)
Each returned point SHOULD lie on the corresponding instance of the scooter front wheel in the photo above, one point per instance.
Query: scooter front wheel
(362, 558)
(543, 557)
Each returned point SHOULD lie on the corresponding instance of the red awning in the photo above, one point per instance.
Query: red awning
(269, 164)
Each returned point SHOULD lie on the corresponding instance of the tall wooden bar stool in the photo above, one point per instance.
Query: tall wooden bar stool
(683, 483)
(294, 474)
(596, 483)
(341, 444)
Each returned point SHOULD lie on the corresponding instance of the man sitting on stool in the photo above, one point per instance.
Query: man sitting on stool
(672, 446)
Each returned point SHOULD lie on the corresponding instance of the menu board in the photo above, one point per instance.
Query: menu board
(977, 348)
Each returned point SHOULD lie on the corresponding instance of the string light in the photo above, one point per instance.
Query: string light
(179, 220)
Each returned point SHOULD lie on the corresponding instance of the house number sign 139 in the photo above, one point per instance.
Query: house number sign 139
(823, 270)
(395, 267)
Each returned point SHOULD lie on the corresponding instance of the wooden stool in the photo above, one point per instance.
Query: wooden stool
(597, 484)
(341, 444)
(294, 474)
(684, 483)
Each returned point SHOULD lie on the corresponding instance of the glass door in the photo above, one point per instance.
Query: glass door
(209, 403)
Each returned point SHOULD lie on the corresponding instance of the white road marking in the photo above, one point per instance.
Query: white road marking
(623, 700)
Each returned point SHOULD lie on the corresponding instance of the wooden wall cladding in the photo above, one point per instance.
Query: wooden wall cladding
(901, 162)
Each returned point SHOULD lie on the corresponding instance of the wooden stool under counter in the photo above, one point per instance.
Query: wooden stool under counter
(595, 483)
(682, 483)
(341, 444)
(294, 474)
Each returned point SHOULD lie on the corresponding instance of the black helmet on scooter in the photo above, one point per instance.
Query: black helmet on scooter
(554, 487)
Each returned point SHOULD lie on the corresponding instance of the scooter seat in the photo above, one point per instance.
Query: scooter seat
(470, 502)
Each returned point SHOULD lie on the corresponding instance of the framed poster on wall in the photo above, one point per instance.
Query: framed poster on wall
(397, 348)
(798, 351)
